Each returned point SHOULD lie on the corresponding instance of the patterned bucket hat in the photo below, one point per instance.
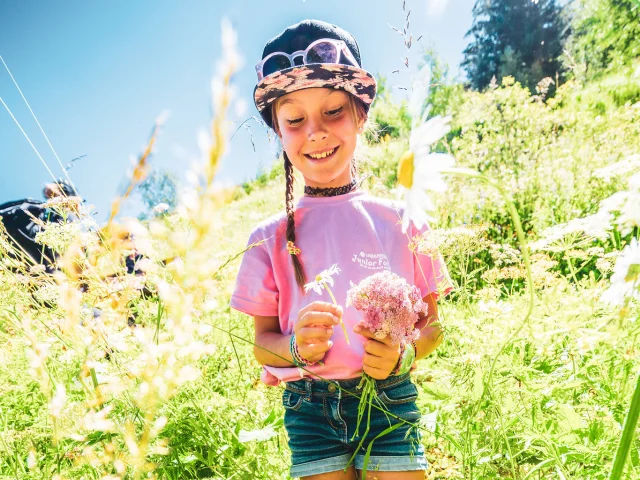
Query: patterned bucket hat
(311, 54)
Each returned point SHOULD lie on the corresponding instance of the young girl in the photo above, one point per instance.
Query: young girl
(313, 92)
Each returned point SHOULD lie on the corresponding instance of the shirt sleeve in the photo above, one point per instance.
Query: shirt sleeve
(430, 272)
(255, 292)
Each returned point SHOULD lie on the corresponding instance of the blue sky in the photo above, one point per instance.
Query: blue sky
(97, 74)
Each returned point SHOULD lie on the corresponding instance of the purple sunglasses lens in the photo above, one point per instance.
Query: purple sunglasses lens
(275, 64)
(323, 52)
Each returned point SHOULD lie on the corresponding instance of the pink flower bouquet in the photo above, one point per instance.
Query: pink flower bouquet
(390, 307)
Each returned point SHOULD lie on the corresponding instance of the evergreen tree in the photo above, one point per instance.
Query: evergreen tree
(521, 38)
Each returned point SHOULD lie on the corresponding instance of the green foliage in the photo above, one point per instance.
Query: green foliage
(387, 118)
(444, 96)
(517, 38)
(605, 36)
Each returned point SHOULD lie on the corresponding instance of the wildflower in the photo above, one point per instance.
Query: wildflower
(31, 459)
(420, 170)
(619, 169)
(257, 435)
(97, 421)
(592, 226)
(322, 281)
(625, 281)
(494, 308)
(160, 208)
(390, 306)
(627, 204)
(58, 401)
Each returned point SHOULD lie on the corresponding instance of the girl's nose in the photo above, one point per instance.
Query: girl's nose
(317, 131)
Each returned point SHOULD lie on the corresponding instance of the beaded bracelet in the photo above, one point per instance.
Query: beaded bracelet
(396, 369)
(298, 360)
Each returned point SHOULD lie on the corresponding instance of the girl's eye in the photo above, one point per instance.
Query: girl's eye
(335, 112)
(295, 121)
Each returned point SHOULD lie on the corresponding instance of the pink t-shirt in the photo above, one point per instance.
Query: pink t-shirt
(362, 235)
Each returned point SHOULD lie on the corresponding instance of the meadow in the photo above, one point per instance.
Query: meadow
(534, 378)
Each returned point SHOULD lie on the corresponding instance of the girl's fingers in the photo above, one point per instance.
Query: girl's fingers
(321, 307)
(315, 351)
(307, 335)
(384, 364)
(317, 319)
(376, 348)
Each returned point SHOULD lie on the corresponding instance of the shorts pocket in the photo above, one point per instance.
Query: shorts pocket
(292, 400)
(403, 392)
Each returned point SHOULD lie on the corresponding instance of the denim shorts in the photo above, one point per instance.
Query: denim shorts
(320, 420)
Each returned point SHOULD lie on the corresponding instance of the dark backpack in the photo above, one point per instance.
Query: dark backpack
(22, 230)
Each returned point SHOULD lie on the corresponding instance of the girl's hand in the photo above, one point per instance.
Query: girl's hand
(314, 329)
(380, 357)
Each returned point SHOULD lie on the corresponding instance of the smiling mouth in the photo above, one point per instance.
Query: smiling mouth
(321, 156)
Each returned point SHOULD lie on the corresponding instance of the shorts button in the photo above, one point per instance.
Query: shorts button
(332, 388)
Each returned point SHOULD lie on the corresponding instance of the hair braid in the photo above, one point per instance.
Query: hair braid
(291, 226)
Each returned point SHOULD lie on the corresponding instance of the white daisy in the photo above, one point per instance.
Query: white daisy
(420, 170)
(625, 281)
(322, 279)
(160, 208)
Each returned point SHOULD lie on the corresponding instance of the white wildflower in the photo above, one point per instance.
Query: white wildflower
(257, 435)
(430, 421)
(494, 308)
(322, 279)
(31, 459)
(420, 170)
(58, 401)
(625, 281)
(596, 226)
(626, 204)
(160, 208)
(98, 421)
(619, 169)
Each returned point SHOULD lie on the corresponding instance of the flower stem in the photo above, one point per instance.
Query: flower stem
(627, 435)
(344, 329)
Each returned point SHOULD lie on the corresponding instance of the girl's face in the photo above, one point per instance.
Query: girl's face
(318, 130)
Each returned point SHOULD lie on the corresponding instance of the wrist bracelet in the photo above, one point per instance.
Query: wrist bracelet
(396, 369)
(407, 356)
(298, 360)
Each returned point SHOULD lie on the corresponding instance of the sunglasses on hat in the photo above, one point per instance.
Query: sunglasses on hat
(324, 50)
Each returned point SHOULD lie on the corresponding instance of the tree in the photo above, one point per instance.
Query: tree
(605, 35)
(388, 117)
(519, 38)
(160, 187)
(443, 94)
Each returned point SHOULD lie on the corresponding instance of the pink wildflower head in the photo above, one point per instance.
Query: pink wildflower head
(390, 306)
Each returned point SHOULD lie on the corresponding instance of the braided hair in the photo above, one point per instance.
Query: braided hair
(359, 112)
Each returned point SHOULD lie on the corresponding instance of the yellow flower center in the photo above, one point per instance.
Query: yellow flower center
(318, 278)
(405, 170)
